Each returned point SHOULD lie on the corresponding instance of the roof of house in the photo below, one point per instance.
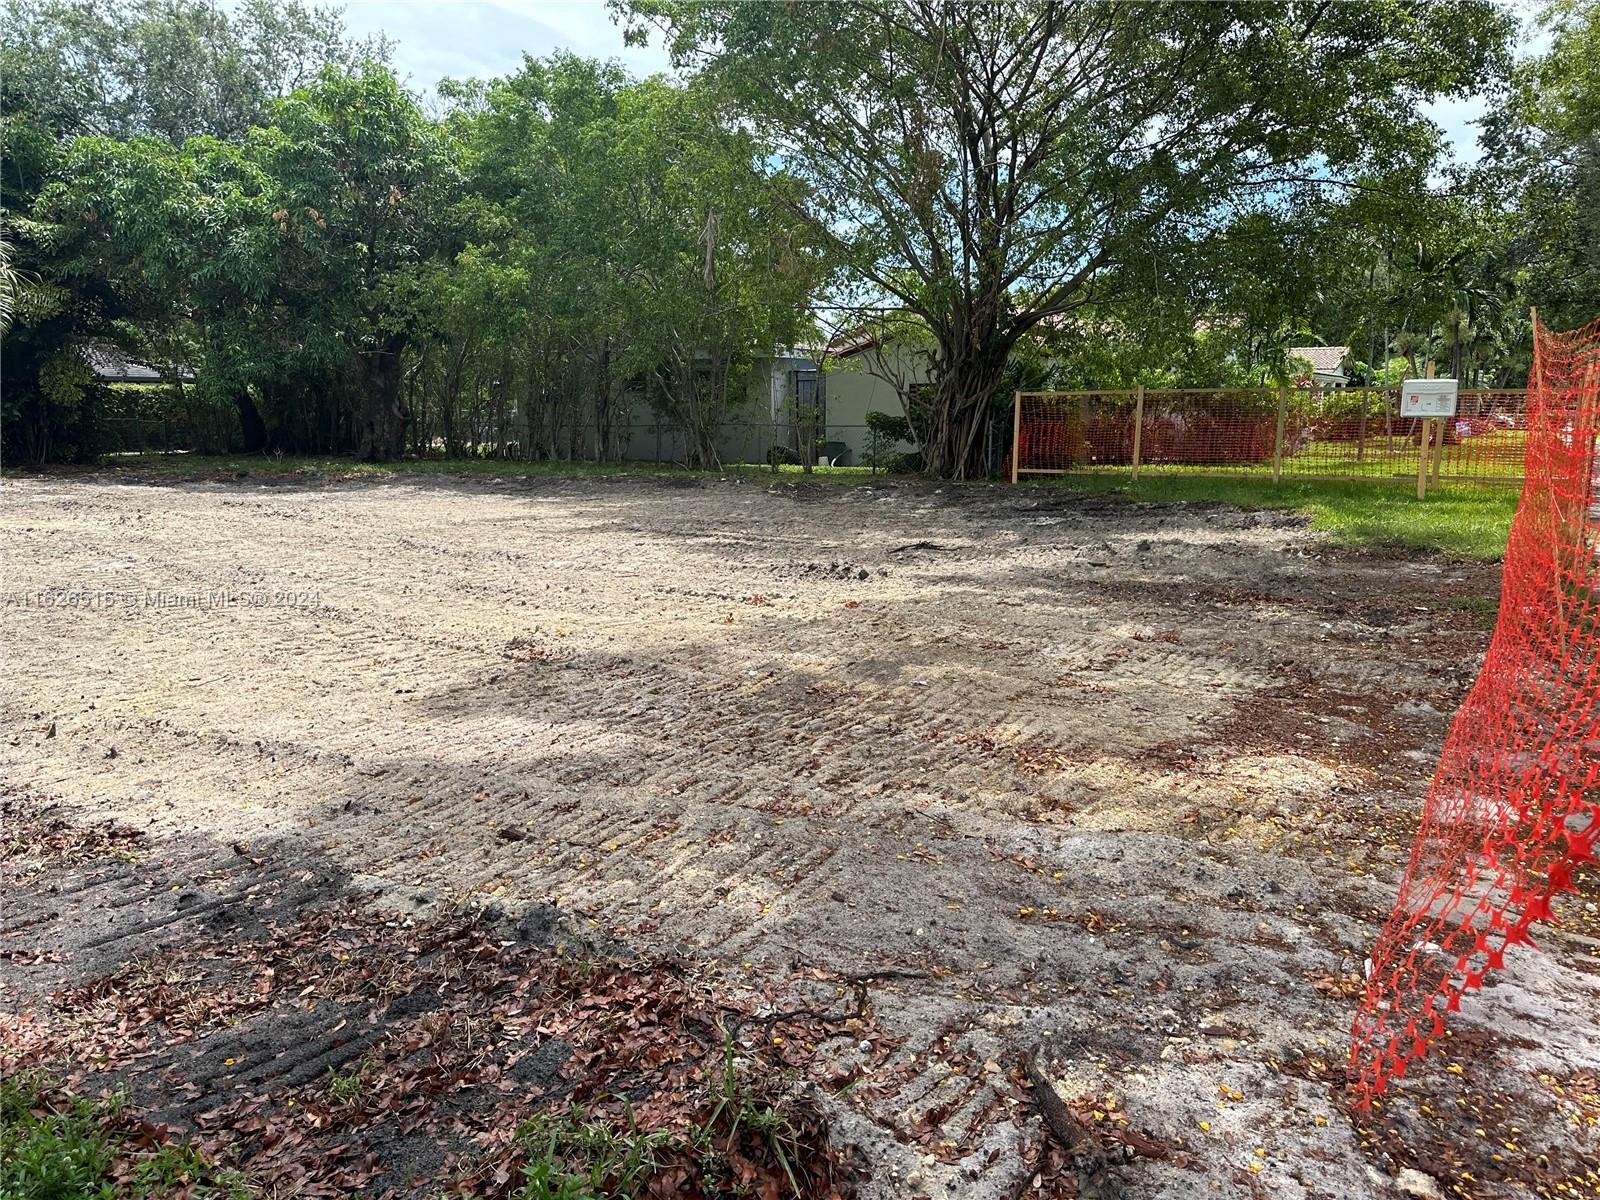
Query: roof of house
(111, 365)
(1325, 360)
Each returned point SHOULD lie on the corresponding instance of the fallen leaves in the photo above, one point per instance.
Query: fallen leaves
(441, 1034)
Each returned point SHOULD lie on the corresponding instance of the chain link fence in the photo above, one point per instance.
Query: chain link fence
(138, 435)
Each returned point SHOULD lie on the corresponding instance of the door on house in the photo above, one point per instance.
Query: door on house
(810, 412)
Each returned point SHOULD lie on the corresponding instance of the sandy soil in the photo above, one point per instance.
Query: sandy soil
(1128, 782)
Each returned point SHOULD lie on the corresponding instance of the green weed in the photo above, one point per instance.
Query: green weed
(571, 1156)
(59, 1147)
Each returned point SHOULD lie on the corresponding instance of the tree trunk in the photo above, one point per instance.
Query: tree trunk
(604, 437)
(419, 390)
(251, 427)
(382, 419)
(965, 380)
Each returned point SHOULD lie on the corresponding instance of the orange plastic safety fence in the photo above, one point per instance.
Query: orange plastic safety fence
(1514, 808)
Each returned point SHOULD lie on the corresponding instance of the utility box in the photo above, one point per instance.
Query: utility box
(1428, 398)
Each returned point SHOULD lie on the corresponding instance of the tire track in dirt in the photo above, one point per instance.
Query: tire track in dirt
(999, 766)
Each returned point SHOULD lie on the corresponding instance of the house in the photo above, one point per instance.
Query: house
(796, 395)
(1327, 364)
(832, 388)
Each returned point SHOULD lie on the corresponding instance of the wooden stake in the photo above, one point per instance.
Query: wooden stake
(1422, 458)
(1277, 441)
(1425, 447)
(1138, 427)
(1439, 429)
(1016, 432)
(1361, 425)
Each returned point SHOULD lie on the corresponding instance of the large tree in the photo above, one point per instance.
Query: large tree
(297, 262)
(363, 184)
(1542, 157)
(992, 167)
(655, 247)
(104, 93)
(171, 68)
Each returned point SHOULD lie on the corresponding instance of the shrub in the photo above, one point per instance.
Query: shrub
(884, 432)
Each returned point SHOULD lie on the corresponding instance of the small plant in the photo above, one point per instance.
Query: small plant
(184, 1171)
(572, 1155)
(573, 1158)
(347, 1087)
(55, 1146)
(738, 1108)
(884, 432)
(50, 1148)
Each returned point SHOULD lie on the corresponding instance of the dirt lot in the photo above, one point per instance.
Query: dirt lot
(1128, 783)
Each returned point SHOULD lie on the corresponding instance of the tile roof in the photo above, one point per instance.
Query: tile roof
(1329, 360)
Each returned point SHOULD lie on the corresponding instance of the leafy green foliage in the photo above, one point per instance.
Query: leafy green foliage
(168, 68)
(130, 220)
(993, 168)
(50, 1154)
(59, 1147)
(665, 259)
(1542, 152)
(884, 432)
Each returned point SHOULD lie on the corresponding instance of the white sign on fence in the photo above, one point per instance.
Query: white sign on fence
(1428, 398)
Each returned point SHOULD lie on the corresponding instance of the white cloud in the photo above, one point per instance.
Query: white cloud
(489, 37)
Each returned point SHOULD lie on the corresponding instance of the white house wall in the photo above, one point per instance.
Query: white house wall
(749, 430)
(854, 391)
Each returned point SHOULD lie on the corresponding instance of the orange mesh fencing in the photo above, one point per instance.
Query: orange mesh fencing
(1292, 433)
(1514, 808)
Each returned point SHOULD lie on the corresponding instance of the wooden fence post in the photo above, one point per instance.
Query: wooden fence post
(1432, 467)
(1138, 427)
(1277, 441)
(1422, 457)
(1016, 432)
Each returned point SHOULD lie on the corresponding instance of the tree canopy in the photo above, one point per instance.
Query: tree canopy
(995, 167)
(1071, 194)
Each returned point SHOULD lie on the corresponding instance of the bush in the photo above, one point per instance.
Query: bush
(56, 1146)
(887, 425)
(884, 432)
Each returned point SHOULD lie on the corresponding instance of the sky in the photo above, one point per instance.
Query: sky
(489, 37)
(462, 38)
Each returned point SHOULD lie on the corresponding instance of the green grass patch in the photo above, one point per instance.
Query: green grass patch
(741, 1145)
(1456, 521)
(55, 1146)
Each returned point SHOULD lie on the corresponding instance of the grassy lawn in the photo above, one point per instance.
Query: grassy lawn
(1486, 456)
(1457, 521)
